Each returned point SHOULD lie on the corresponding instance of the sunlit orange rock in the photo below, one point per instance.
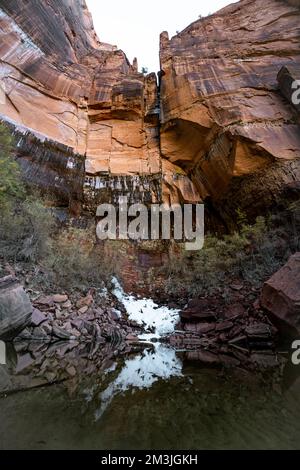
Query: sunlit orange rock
(224, 120)
(65, 88)
(89, 127)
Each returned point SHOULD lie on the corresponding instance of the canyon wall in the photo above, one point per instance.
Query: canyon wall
(81, 113)
(224, 119)
(89, 127)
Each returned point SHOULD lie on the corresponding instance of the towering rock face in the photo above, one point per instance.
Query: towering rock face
(89, 127)
(84, 117)
(80, 110)
(224, 120)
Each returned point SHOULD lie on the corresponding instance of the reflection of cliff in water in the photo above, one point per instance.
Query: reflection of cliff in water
(139, 404)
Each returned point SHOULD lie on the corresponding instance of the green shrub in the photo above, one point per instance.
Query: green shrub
(30, 235)
(25, 230)
(241, 218)
(74, 261)
(11, 185)
(250, 254)
(25, 224)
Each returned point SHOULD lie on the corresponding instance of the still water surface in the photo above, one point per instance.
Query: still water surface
(154, 400)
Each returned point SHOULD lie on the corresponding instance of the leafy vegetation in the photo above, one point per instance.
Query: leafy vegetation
(70, 258)
(252, 254)
(11, 185)
(74, 260)
(31, 237)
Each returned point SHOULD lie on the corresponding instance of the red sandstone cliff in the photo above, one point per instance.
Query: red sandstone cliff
(97, 114)
(85, 118)
(224, 119)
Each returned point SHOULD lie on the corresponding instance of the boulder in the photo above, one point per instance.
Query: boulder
(197, 310)
(234, 311)
(281, 296)
(201, 328)
(44, 301)
(15, 308)
(259, 331)
(83, 310)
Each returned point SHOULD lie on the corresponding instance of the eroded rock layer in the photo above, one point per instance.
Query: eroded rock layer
(224, 119)
(89, 127)
(61, 85)
(72, 96)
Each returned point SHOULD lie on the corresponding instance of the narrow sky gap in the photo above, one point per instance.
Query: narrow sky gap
(135, 27)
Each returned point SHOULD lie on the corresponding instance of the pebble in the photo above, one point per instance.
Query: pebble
(59, 299)
(71, 371)
(37, 317)
(83, 310)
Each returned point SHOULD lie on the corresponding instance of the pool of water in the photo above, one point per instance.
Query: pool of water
(154, 399)
(147, 396)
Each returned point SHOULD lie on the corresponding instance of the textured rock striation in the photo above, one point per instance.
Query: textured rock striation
(219, 127)
(82, 114)
(71, 98)
(224, 119)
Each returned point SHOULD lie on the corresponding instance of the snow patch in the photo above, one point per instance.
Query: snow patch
(147, 313)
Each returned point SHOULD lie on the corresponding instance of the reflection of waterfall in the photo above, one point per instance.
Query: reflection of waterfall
(147, 313)
(142, 371)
